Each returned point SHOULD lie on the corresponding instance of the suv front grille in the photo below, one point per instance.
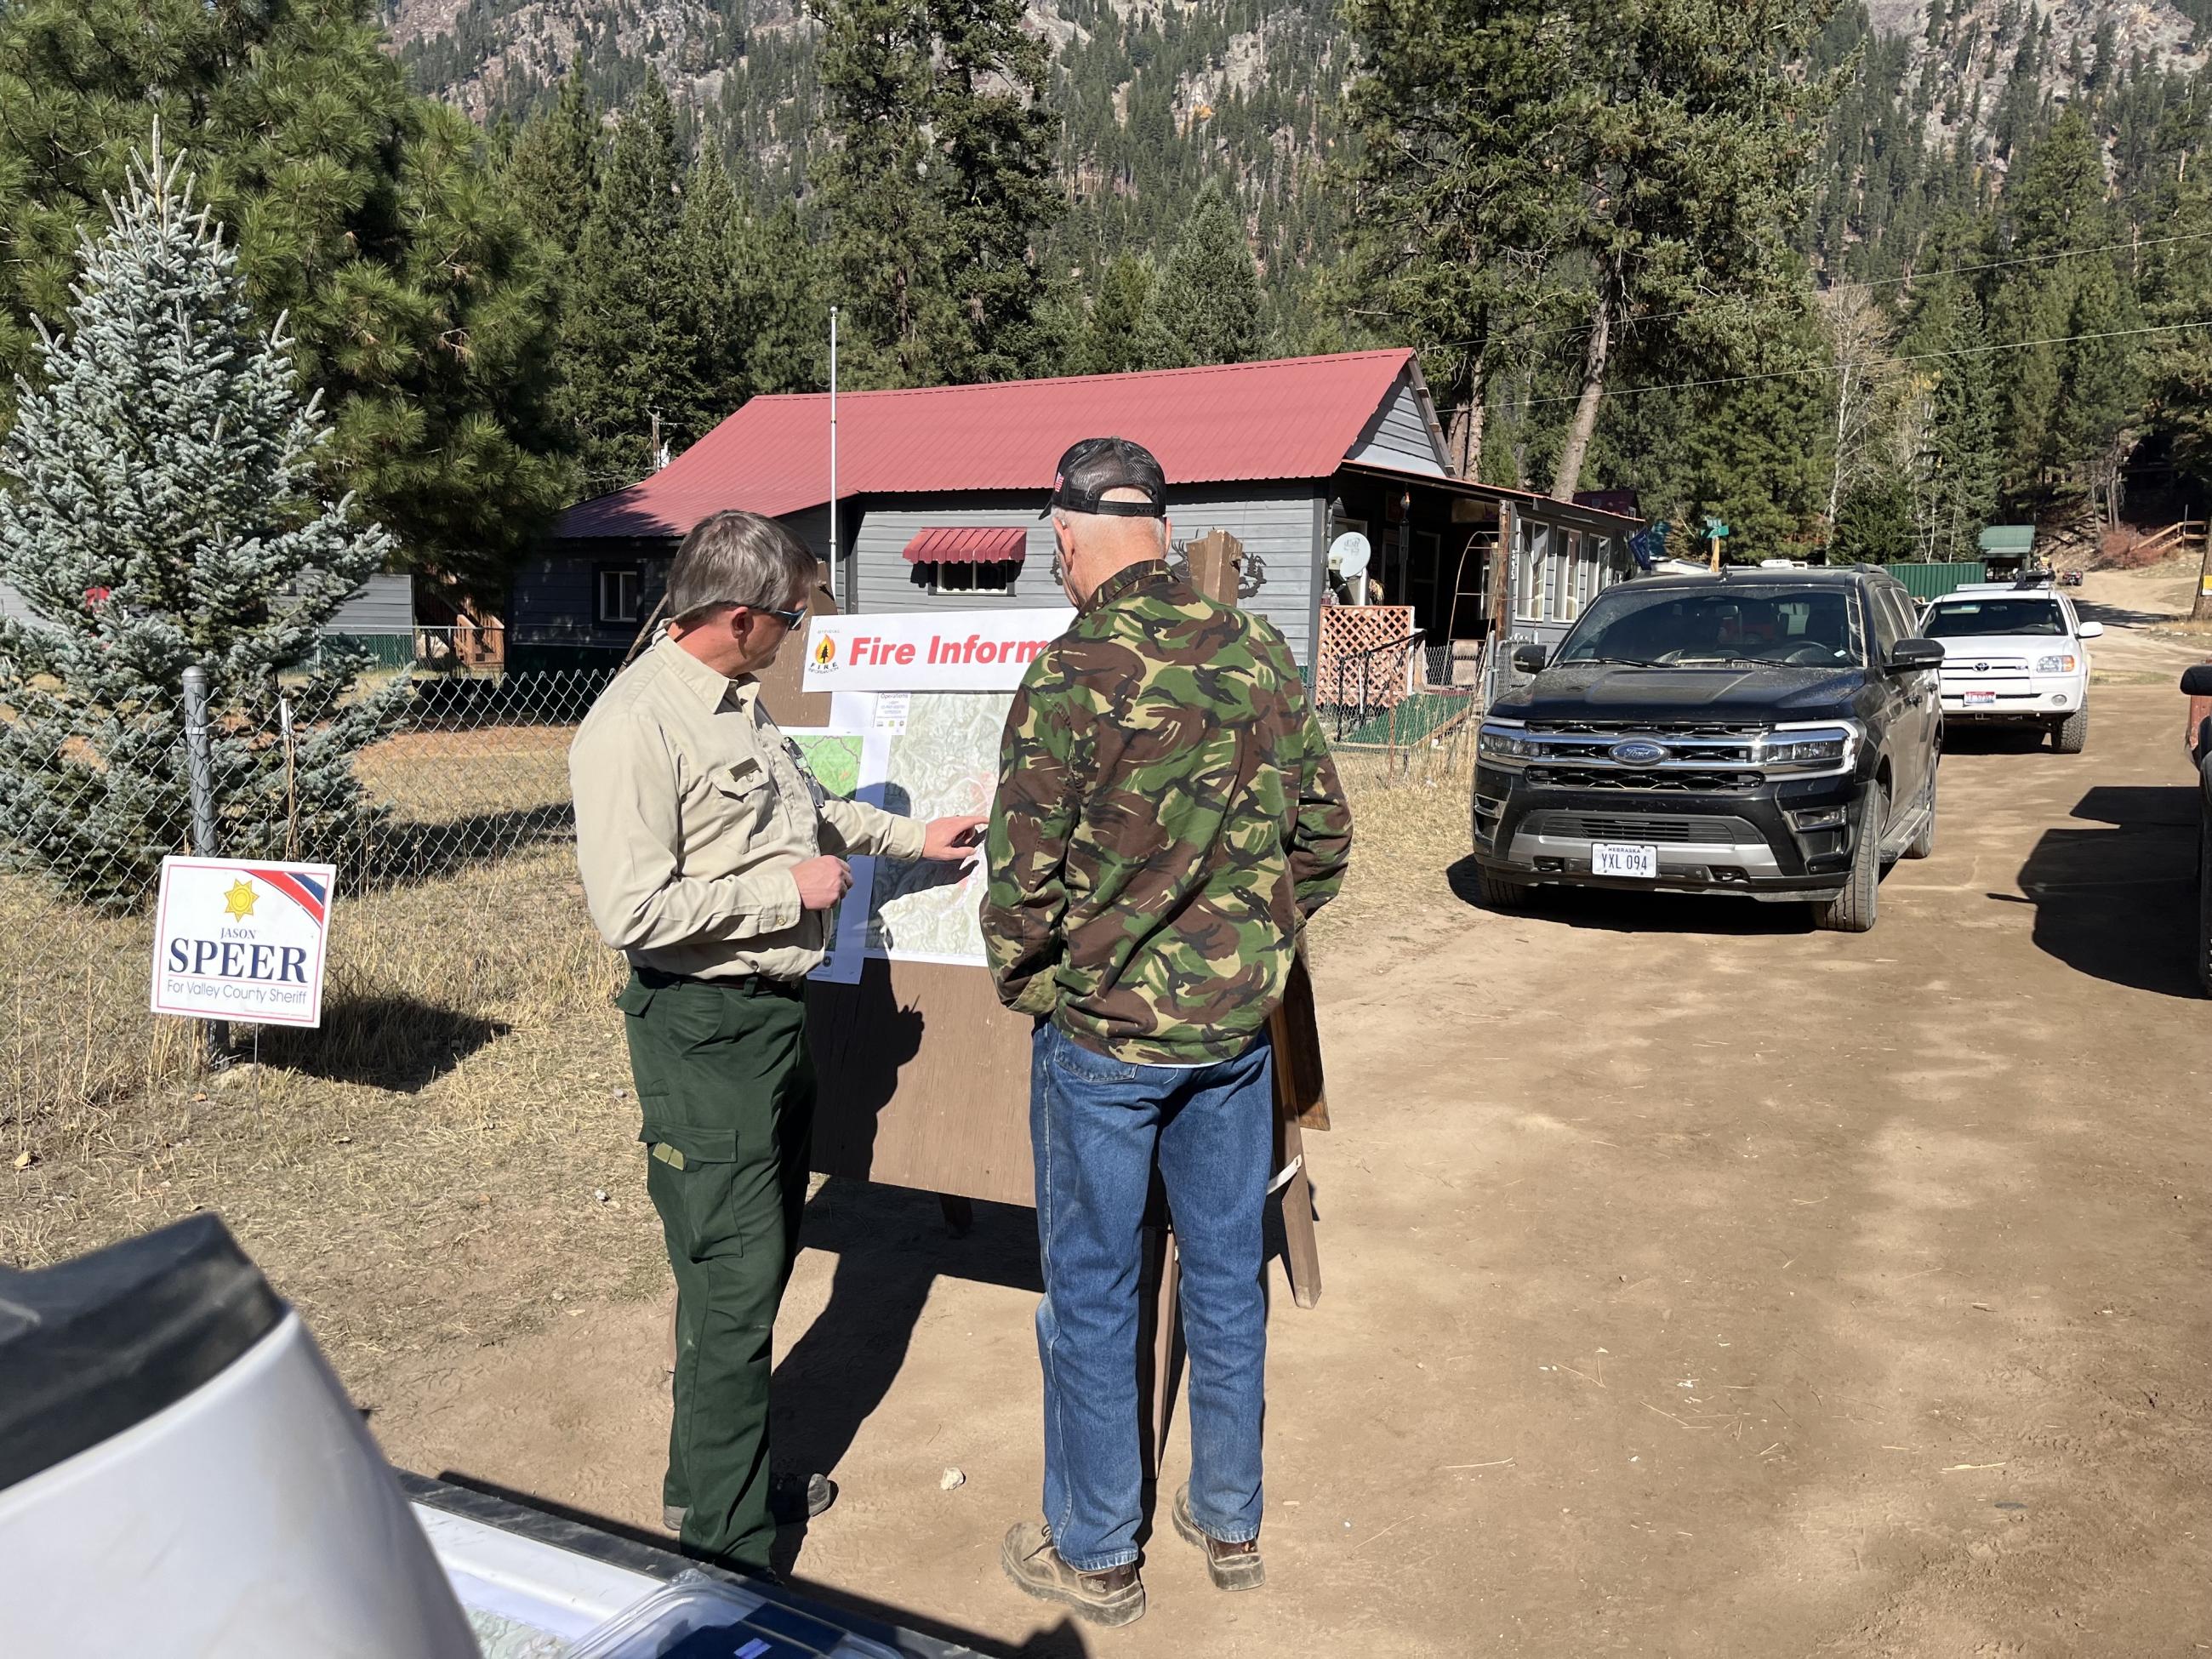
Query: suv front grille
(1673, 832)
(1657, 782)
(1612, 731)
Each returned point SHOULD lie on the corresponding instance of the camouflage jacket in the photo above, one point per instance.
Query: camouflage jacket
(1167, 817)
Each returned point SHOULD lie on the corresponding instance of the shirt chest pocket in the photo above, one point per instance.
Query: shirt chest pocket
(742, 795)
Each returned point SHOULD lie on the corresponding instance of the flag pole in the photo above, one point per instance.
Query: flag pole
(834, 548)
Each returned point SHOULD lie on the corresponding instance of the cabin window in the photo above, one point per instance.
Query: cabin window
(619, 588)
(984, 576)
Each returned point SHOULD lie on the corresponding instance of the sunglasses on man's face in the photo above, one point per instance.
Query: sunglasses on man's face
(788, 619)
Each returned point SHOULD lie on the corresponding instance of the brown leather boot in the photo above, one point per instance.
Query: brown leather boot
(1231, 1566)
(1115, 1597)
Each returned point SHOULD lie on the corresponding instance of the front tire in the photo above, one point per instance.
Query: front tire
(1855, 908)
(2071, 735)
(1923, 843)
(1501, 892)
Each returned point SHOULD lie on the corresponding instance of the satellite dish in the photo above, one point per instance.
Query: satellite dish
(1348, 555)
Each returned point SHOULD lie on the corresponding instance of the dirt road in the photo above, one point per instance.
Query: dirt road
(1697, 1285)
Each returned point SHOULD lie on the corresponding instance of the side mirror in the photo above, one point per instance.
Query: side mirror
(1531, 658)
(2090, 631)
(2197, 680)
(1910, 656)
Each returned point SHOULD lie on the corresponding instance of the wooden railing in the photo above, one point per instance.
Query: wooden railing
(2176, 535)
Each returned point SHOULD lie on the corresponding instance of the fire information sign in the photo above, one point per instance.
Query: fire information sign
(928, 651)
(239, 941)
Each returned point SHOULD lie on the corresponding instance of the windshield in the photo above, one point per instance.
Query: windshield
(1966, 619)
(1662, 628)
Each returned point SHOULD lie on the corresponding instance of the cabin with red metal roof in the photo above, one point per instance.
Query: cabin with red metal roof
(941, 491)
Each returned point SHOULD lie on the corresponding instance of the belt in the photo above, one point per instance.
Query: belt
(744, 985)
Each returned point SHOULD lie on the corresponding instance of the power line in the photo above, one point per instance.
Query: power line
(1871, 362)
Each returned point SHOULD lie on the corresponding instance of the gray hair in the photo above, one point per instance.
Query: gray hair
(734, 558)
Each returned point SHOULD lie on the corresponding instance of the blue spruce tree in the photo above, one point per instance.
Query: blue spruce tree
(156, 512)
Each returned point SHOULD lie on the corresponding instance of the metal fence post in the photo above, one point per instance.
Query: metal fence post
(199, 762)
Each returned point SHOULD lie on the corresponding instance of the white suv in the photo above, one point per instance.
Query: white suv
(2015, 653)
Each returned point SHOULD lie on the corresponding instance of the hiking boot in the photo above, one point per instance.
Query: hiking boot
(1115, 1597)
(792, 1498)
(1231, 1566)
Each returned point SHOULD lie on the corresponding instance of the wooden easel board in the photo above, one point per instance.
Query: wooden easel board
(923, 1081)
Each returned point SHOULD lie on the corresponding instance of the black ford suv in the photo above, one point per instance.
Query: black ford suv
(1770, 732)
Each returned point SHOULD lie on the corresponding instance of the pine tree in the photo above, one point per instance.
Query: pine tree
(1950, 421)
(789, 350)
(996, 136)
(2056, 207)
(635, 363)
(887, 236)
(158, 513)
(1449, 182)
(361, 213)
(1114, 334)
(1686, 130)
(552, 168)
(2095, 424)
(1207, 308)
(939, 190)
(2179, 357)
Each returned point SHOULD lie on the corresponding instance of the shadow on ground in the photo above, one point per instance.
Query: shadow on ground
(1968, 737)
(2116, 903)
(1615, 910)
(892, 1245)
(396, 1042)
(2120, 616)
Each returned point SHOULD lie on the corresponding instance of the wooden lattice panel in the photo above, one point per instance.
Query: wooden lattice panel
(1346, 630)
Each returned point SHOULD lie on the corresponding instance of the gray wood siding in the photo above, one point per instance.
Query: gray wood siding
(884, 581)
(1400, 435)
(384, 604)
(1276, 522)
(1279, 525)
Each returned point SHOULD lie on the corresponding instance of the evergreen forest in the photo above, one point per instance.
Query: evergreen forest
(1858, 281)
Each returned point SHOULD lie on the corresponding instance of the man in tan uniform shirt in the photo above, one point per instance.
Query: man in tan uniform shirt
(710, 858)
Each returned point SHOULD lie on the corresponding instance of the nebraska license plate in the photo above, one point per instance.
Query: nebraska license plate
(1613, 857)
(1980, 698)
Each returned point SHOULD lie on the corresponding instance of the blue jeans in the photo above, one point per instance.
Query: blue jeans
(1097, 1125)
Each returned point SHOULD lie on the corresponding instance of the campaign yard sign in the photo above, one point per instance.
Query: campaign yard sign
(237, 939)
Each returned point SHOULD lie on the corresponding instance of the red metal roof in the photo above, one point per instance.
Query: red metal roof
(1293, 418)
(967, 545)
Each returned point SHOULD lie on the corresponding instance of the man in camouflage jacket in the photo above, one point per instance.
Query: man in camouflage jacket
(1167, 818)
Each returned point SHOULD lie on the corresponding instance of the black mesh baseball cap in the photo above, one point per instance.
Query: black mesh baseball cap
(1095, 465)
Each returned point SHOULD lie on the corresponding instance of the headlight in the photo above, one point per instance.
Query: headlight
(1815, 747)
(1507, 743)
(2065, 665)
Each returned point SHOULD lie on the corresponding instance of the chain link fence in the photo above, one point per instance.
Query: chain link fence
(457, 896)
(453, 831)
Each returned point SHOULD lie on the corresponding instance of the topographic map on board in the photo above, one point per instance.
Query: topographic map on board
(945, 761)
(838, 760)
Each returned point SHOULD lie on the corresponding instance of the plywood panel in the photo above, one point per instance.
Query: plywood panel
(924, 1082)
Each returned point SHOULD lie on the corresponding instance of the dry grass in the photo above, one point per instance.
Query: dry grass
(427, 1166)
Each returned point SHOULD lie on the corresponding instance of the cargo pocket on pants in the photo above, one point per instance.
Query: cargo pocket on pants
(690, 1173)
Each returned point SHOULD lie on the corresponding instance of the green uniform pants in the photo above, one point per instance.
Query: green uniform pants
(727, 1088)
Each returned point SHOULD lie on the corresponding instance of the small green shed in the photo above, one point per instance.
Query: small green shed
(1932, 581)
(2006, 541)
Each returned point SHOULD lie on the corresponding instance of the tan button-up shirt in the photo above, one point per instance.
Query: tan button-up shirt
(691, 811)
